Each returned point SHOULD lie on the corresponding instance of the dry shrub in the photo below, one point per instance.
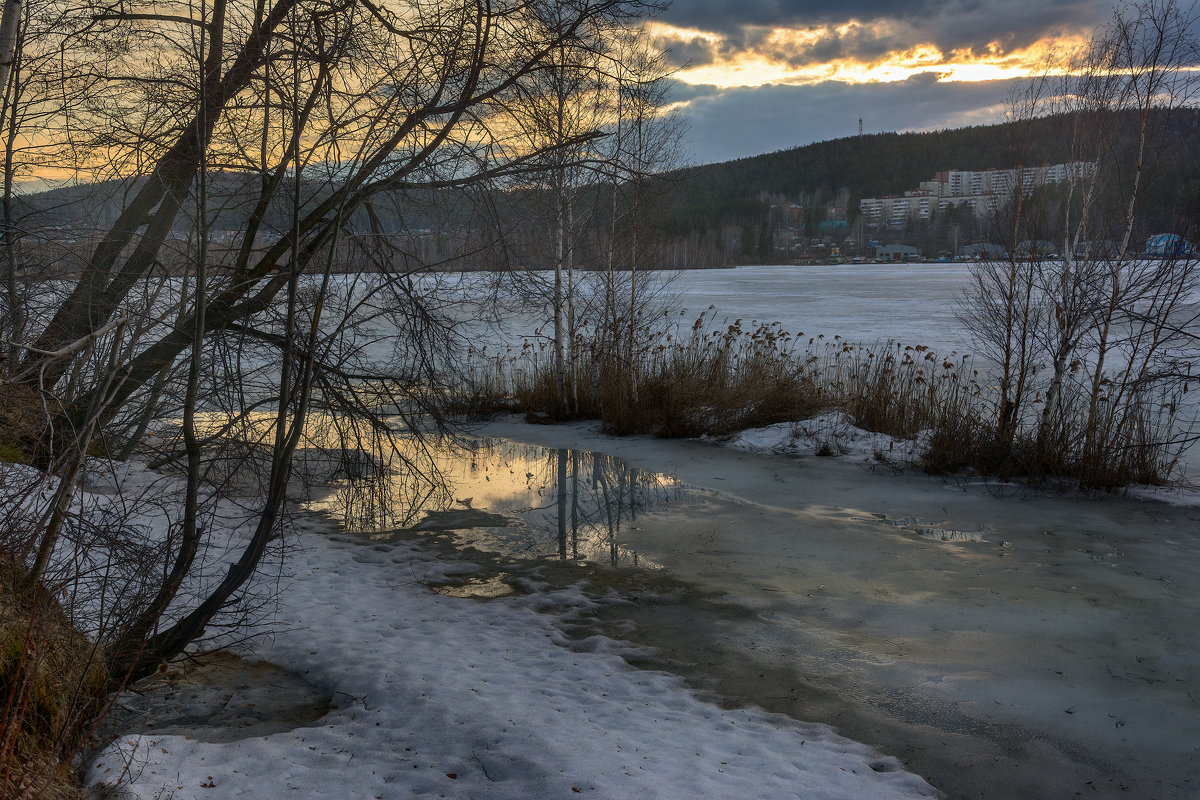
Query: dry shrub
(22, 423)
(712, 382)
(709, 382)
(717, 380)
(897, 390)
(1131, 439)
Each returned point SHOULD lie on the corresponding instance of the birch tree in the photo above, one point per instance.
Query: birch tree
(643, 142)
(1099, 308)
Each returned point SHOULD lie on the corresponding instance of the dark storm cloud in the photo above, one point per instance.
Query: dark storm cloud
(726, 17)
(858, 43)
(726, 124)
(692, 52)
(735, 122)
(949, 24)
(683, 92)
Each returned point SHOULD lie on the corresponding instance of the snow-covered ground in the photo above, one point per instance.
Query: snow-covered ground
(440, 696)
(828, 435)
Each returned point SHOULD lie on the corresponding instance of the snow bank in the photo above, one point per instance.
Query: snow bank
(439, 696)
(831, 434)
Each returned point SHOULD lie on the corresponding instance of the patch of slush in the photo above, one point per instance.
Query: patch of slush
(929, 531)
(1184, 496)
(219, 697)
(438, 696)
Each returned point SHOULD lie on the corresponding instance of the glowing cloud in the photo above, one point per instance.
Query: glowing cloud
(852, 53)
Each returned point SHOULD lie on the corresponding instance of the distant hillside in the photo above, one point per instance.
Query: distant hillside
(231, 197)
(732, 193)
(710, 215)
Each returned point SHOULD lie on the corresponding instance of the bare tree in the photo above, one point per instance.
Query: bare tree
(1097, 307)
(46, 83)
(570, 100)
(644, 142)
(594, 197)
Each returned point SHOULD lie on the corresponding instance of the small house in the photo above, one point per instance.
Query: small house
(983, 251)
(1168, 245)
(896, 252)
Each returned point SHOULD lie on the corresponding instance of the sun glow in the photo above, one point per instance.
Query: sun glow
(794, 56)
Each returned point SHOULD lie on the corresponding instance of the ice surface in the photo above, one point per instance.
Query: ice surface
(441, 696)
(1001, 641)
(910, 303)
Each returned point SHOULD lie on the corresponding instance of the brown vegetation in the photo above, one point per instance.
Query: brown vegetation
(22, 423)
(715, 382)
(54, 686)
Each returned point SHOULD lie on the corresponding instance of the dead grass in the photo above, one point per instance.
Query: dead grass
(716, 380)
(54, 687)
(707, 382)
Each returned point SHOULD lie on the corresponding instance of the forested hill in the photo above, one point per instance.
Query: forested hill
(875, 165)
(702, 205)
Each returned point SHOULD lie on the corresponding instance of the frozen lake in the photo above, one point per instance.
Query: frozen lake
(909, 303)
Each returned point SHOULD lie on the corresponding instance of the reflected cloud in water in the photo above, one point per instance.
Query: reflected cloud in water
(516, 500)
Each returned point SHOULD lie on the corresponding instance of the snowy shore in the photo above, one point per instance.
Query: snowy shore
(438, 696)
(426, 686)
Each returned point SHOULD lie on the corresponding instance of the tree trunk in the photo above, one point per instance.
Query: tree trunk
(8, 38)
(560, 365)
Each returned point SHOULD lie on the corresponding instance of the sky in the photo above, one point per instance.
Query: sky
(755, 76)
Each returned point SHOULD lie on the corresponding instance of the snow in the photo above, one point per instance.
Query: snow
(835, 435)
(1185, 495)
(832, 434)
(438, 696)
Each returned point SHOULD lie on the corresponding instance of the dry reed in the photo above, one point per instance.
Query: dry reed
(715, 380)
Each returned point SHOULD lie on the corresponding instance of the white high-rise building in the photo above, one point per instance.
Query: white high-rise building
(982, 191)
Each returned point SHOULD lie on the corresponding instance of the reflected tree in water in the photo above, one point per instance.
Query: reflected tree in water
(519, 500)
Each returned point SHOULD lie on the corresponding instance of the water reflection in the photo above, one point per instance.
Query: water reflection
(517, 500)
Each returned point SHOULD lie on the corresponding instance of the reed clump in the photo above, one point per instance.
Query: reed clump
(710, 380)
(715, 380)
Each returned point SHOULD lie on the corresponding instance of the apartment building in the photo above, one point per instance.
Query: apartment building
(981, 191)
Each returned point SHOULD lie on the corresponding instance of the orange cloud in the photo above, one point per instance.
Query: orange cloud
(803, 56)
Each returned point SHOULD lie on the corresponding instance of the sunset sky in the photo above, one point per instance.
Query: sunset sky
(764, 75)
